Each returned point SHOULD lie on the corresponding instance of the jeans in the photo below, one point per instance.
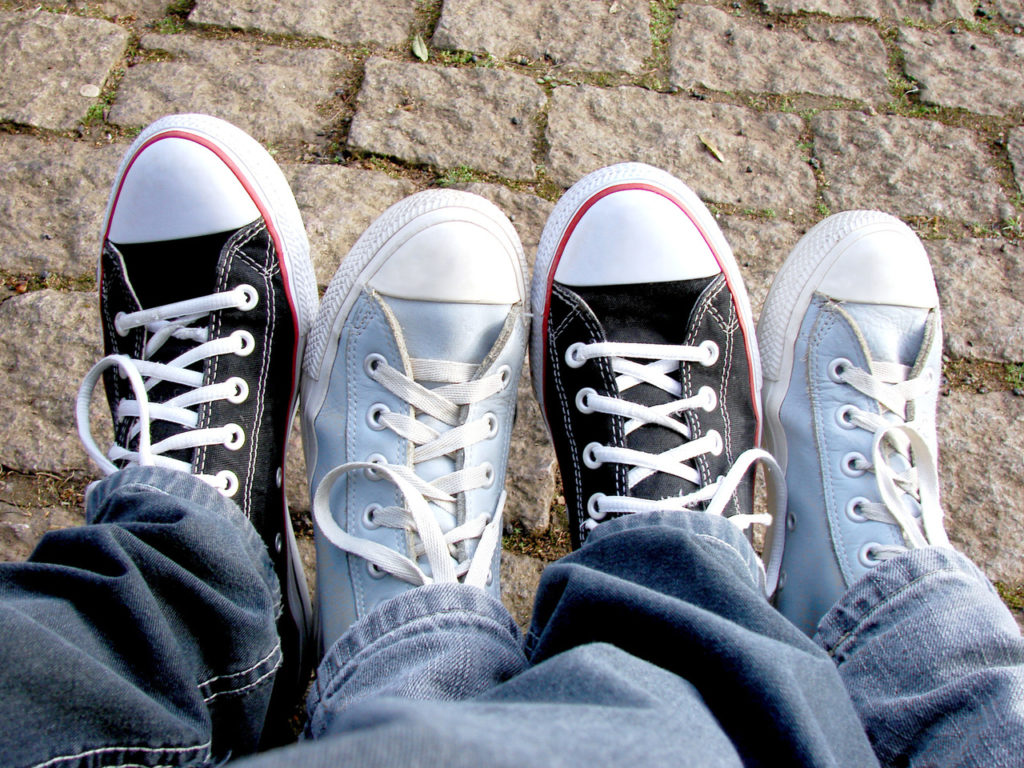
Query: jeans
(147, 638)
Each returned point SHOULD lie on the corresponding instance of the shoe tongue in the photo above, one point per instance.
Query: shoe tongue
(649, 314)
(891, 334)
(168, 271)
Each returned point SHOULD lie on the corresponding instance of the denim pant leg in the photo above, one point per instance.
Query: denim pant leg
(146, 637)
(652, 645)
(933, 660)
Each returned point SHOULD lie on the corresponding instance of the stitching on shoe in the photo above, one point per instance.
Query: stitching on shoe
(697, 431)
(560, 390)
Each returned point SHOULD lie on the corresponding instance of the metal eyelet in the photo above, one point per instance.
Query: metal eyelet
(573, 356)
(122, 332)
(505, 372)
(783, 578)
(837, 367)
(489, 475)
(711, 398)
(237, 438)
(711, 352)
(374, 458)
(248, 343)
(490, 578)
(375, 571)
(372, 362)
(843, 416)
(229, 483)
(373, 416)
(849, 462)
(278, 543)
(251, 298)
(719, 444)
(492, 425)
(590, 455)
(241, 393)
(593, 510)
(790, 521)
(582, 400)
(866, 555)
(853, 509)
(368, 517)
(278, 477)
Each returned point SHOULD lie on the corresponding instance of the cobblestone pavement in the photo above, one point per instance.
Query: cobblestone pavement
(776, 112)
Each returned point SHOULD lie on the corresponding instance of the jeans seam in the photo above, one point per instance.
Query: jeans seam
(276, 650)
(848, 636)
(205, 747)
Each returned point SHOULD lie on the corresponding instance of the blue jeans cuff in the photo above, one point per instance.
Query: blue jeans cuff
(853, 618)
(713, 532)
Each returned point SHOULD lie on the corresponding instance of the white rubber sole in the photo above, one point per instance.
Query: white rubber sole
(626, 174)
(787, 301)
(365, 258)
(267, 186)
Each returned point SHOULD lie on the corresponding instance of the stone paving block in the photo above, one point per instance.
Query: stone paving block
(1016, 150)
(51, 340)
(932, 11)
(979, 285)
(448, 117)
(906, 167)
(143, 10)
(269, 91)
(54, 66)
(979, 73)
(21, 528)
(528, 214)
(760, 247)
(387, 22)
(531, 465)
(52, 223)
(591, 127)
(981, 442)
(590, 35)
(712, 48)
(520, 575)
(1011, 11)
(337, 203)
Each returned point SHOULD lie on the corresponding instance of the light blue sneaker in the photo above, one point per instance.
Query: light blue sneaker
(409, 394)
(851, 344)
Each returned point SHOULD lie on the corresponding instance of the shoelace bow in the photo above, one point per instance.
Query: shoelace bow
(439, 541)
(677, 461)
(162, 324)
(902, 461)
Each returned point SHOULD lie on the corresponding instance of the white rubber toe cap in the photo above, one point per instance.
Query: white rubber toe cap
(881, 262)
(634, 236)
(177, 188)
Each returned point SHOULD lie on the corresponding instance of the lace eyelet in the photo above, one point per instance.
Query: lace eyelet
(228, 483)
(369, 523)
(505, 372)
(853, 507)
(849, 462)
(278, 477)
(375, 571)
(492, 425)
(590, 455)
(374, 458)
(489, 475)
(711, 398)
(573, 356)
(373, 416)
(711, 352)
(594, 512)
(247, 342)
(582, 397)
(241, 393)
(118, 318)
(843, 416)
(249, 296)
(490, 578)
(790, 521)
(719, 444)
(837, 367)
(783, 578)
(372, 362)
(278, 543)
(237, 438)
(866, 555)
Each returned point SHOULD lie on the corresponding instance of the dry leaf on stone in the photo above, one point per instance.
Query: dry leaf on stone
(711, 148)
(419, 48)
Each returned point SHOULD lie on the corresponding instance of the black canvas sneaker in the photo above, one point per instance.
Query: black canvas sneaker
(206, 294)
(643, 353)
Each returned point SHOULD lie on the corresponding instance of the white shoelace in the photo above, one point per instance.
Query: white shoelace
(435, 532)
(676, 461)
(164, 323)
(902, 461)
